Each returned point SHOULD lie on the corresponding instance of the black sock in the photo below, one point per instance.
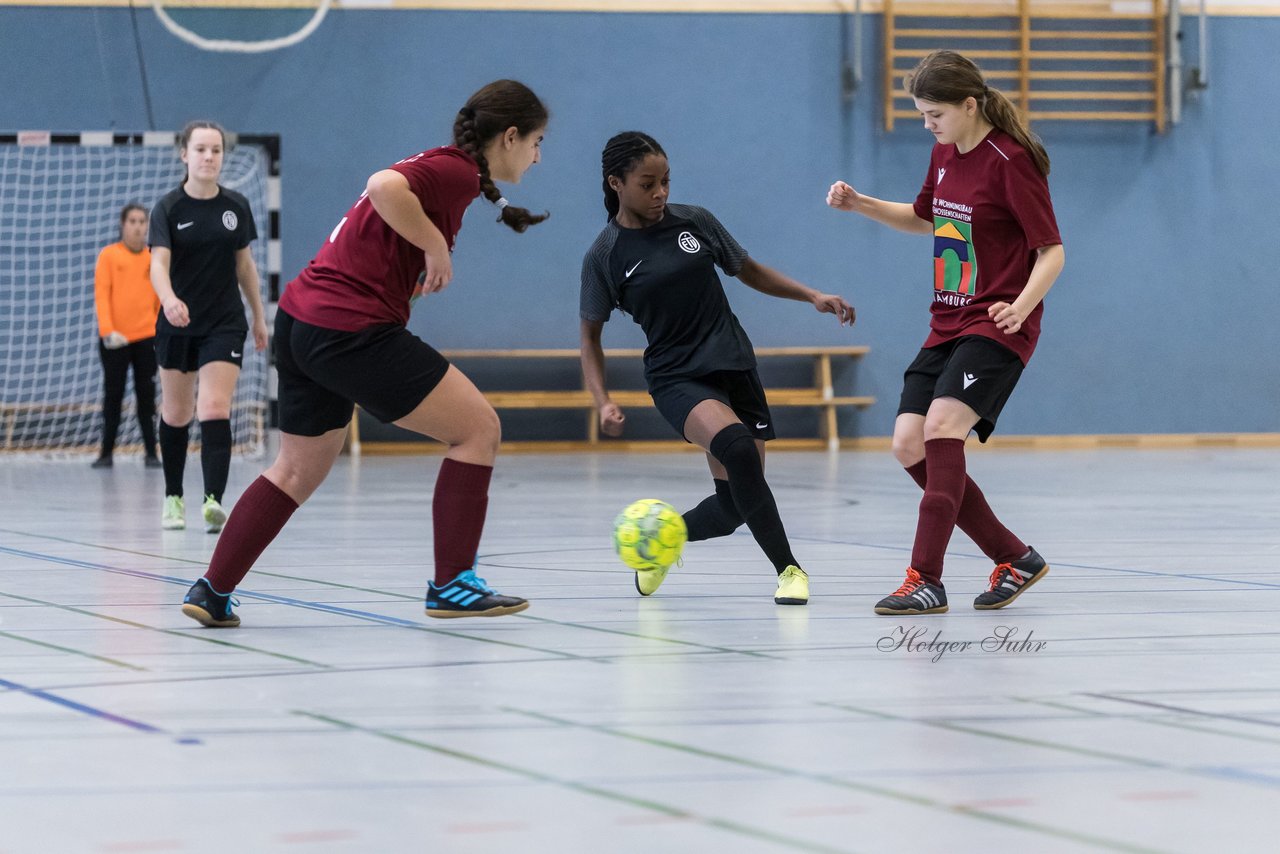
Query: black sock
(735, 448)
(173, 453)
(215, 456)
(715, 516)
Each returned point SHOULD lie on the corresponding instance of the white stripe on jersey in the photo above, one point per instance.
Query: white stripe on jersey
(997, 148)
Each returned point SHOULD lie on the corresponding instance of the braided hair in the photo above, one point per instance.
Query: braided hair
(622, 154)
(946, 77)
(489, 112)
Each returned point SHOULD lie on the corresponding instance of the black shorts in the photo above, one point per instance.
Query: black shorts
(973, 369)
(741, 391)
(190, 353)
(323, 372)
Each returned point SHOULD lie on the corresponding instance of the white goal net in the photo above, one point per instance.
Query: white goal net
(60, 201)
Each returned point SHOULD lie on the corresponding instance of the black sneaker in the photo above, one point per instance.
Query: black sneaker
(208, 608)
(102, 462)
(469, 596)
(915, 596)
(1008, 580)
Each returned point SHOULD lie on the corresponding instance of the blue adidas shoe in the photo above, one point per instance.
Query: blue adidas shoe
(210, 608)
(469, 596)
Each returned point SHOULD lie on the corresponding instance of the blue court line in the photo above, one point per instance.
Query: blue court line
(81, 707)
(368, 616)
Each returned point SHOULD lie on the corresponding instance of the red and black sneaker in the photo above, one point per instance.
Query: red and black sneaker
(1009, 580)
(915, 596)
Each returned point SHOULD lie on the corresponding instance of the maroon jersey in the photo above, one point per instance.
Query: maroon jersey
(366, 273)
(990, 211)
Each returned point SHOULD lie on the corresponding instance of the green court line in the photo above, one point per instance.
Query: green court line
(71, 651)
(1004, 736)
(830, 780)
(187, 635)
(1148, 720)
(583, 788)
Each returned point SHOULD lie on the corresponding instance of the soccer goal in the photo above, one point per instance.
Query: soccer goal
(60, 200)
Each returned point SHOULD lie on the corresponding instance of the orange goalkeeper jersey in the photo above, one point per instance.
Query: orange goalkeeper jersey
(122, 290)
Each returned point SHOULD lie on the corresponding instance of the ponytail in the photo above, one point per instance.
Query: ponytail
(488, 113)
(1000, 111)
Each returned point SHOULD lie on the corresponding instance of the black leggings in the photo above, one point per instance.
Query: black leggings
(115, 372)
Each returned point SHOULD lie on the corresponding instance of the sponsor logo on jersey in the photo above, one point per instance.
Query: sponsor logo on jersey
(183, 225)
(633, 269)
(229, 220)
(955, 265)
(688, 242)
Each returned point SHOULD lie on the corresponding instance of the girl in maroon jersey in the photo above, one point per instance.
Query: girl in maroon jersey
(340, 339)
(996, 253)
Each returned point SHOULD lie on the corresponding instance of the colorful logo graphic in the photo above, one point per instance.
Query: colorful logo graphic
(955, 266)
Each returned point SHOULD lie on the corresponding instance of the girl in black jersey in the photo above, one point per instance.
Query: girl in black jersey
(200, 236)
(657, 262)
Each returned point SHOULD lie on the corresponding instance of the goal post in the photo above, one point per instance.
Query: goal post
(60, 201)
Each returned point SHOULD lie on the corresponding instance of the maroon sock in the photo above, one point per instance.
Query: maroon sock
(457, 516)
(978, 520)
(943, 494)
(255, 521)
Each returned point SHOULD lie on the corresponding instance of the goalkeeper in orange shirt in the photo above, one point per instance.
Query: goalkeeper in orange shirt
(127, 308)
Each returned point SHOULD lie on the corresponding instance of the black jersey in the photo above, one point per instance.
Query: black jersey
(203, 236)
(664, 276)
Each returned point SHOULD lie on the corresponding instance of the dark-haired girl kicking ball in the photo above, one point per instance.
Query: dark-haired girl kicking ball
(656, 261)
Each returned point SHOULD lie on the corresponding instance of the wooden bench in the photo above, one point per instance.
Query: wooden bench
(820, 395)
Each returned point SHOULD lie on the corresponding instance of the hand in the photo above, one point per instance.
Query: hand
(832, 304)
(1007, 317)
(260, 335)
(175, 311)
(611, 419)
(842, 197)
(438, 273)
(115, 341)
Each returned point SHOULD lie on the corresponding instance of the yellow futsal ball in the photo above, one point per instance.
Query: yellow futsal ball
(649, 534)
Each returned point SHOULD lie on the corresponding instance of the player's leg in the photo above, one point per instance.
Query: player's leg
(177, 408)
(142, 355)
(220, 356)
(714, 427)
(456, 413)
(716, 515)
(313, 425)
(257, 519)
(115, 373)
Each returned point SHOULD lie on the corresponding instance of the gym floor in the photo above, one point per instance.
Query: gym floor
(1129, 702)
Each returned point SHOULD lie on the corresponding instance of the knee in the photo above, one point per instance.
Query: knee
(735, 448)
(908, 450)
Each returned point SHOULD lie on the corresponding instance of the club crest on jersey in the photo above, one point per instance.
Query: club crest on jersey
(229, 220)
(688, 242)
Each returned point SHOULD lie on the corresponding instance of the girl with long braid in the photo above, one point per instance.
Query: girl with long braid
(996, 253)
(656, 261)
(341, 339)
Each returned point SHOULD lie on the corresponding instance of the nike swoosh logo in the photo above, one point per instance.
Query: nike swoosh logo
(183, 225)
(235, 355)
(969, 379)
(633, 269)
(761, 425)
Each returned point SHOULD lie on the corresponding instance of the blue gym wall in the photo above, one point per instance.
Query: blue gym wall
(1164, 321)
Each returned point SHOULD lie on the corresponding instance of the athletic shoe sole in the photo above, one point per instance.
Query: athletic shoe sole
(492, 612)
(912, 611)
(1023, 589)
(204, 618)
